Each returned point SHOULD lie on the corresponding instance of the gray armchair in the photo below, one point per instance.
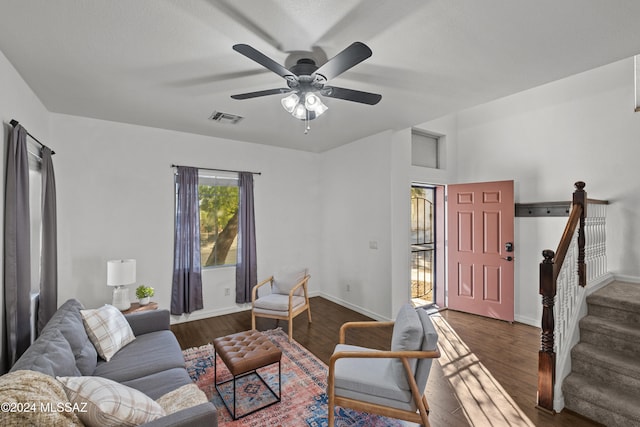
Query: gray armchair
(285, 298)
(388, 383)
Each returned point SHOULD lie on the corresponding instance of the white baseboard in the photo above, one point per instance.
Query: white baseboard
(601, 282)
(625, 278)
(527, 321)
(353, 307)
(205, 314)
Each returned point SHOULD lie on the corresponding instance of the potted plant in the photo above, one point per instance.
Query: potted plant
(144, 293)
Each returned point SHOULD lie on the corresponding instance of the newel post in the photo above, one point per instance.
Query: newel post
(580, 198)
(546, 355)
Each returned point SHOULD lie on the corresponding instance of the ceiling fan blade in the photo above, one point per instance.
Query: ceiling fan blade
(349, 57)
(351, 95)
(261, 93)
(263, 60)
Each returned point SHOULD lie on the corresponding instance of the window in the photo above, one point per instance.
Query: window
(425, 149)
(218, 194)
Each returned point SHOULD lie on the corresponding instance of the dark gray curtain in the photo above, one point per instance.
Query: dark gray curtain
(186, 290)
(246, 265)
(49, 253)
(17, 253)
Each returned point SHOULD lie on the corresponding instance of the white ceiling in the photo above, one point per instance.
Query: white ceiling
(169, 63)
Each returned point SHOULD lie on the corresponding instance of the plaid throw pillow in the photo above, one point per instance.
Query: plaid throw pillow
(103, 402)
(108, 330)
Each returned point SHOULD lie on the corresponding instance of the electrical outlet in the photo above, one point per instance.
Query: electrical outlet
(227, 292)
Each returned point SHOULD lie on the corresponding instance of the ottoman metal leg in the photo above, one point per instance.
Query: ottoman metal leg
(234, 378)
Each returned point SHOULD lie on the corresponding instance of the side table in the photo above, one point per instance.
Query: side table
(136, 307)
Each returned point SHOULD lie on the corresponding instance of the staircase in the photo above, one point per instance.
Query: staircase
(604, 384)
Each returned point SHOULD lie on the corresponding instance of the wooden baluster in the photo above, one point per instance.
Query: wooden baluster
(580, 198)
(546, 355)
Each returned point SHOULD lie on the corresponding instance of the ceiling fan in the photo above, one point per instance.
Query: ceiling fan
(307, 81)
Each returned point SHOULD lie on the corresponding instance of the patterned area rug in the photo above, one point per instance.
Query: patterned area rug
(304, 385)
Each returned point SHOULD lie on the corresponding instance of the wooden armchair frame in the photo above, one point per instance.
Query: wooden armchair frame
(420, 417)
(292, 311)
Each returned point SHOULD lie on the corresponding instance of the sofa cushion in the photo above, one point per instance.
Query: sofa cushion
(68, 321)
(50, 354)
(147, 354)
(108, 403)
(44, 397)
(160, 383)
(108, 330)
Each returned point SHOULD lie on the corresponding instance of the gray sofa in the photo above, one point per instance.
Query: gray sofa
(152, 363)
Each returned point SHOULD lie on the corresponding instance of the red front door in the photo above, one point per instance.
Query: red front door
(480, 225)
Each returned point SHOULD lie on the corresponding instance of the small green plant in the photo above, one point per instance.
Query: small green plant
(143, 291)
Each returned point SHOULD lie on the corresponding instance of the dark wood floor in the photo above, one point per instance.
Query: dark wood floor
(508, 351)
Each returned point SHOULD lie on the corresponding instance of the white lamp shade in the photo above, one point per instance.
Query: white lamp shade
(299, 112)
(290, 102)
(121, 272)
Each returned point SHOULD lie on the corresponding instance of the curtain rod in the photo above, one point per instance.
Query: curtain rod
(220, 170)
(15, 123)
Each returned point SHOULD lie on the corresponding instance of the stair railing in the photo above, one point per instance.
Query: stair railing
(563, 276)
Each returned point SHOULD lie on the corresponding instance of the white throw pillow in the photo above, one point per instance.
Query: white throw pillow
(108, 330)
(103, 402)
(187, 396)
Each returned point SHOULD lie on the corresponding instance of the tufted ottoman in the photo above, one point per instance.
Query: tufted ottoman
(243, 354)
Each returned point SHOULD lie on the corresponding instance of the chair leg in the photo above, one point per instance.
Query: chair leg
(290, 328)
(253, 320)
(424, 412)
(331, 414)
(426, 405)
(309, 313)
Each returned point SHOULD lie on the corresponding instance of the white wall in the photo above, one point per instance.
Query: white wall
(116, 200)
(356, 213)
(579, 128)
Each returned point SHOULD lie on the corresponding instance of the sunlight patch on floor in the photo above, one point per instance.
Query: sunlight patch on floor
(482, 398)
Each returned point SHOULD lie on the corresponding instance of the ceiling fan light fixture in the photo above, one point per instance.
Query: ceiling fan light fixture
(290, 102)
(320, 108)
(307, 81)
(313, 103)
(299, 112)
(311, 100)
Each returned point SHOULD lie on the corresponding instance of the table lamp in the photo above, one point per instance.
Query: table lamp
(120, 273)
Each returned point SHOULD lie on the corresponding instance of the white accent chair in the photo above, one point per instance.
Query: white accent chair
(285, 298)
(388, 383)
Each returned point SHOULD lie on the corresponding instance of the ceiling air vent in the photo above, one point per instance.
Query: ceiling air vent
(218, 116)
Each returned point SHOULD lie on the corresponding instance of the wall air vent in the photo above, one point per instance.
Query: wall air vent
(218, 116)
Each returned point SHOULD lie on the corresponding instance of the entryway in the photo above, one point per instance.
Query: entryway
(427, 256)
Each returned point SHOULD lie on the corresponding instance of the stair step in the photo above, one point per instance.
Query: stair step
(618, 301)
(615, 336)
(606, 404)
(607, 367)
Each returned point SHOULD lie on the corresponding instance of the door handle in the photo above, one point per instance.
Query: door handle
(509, 258)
